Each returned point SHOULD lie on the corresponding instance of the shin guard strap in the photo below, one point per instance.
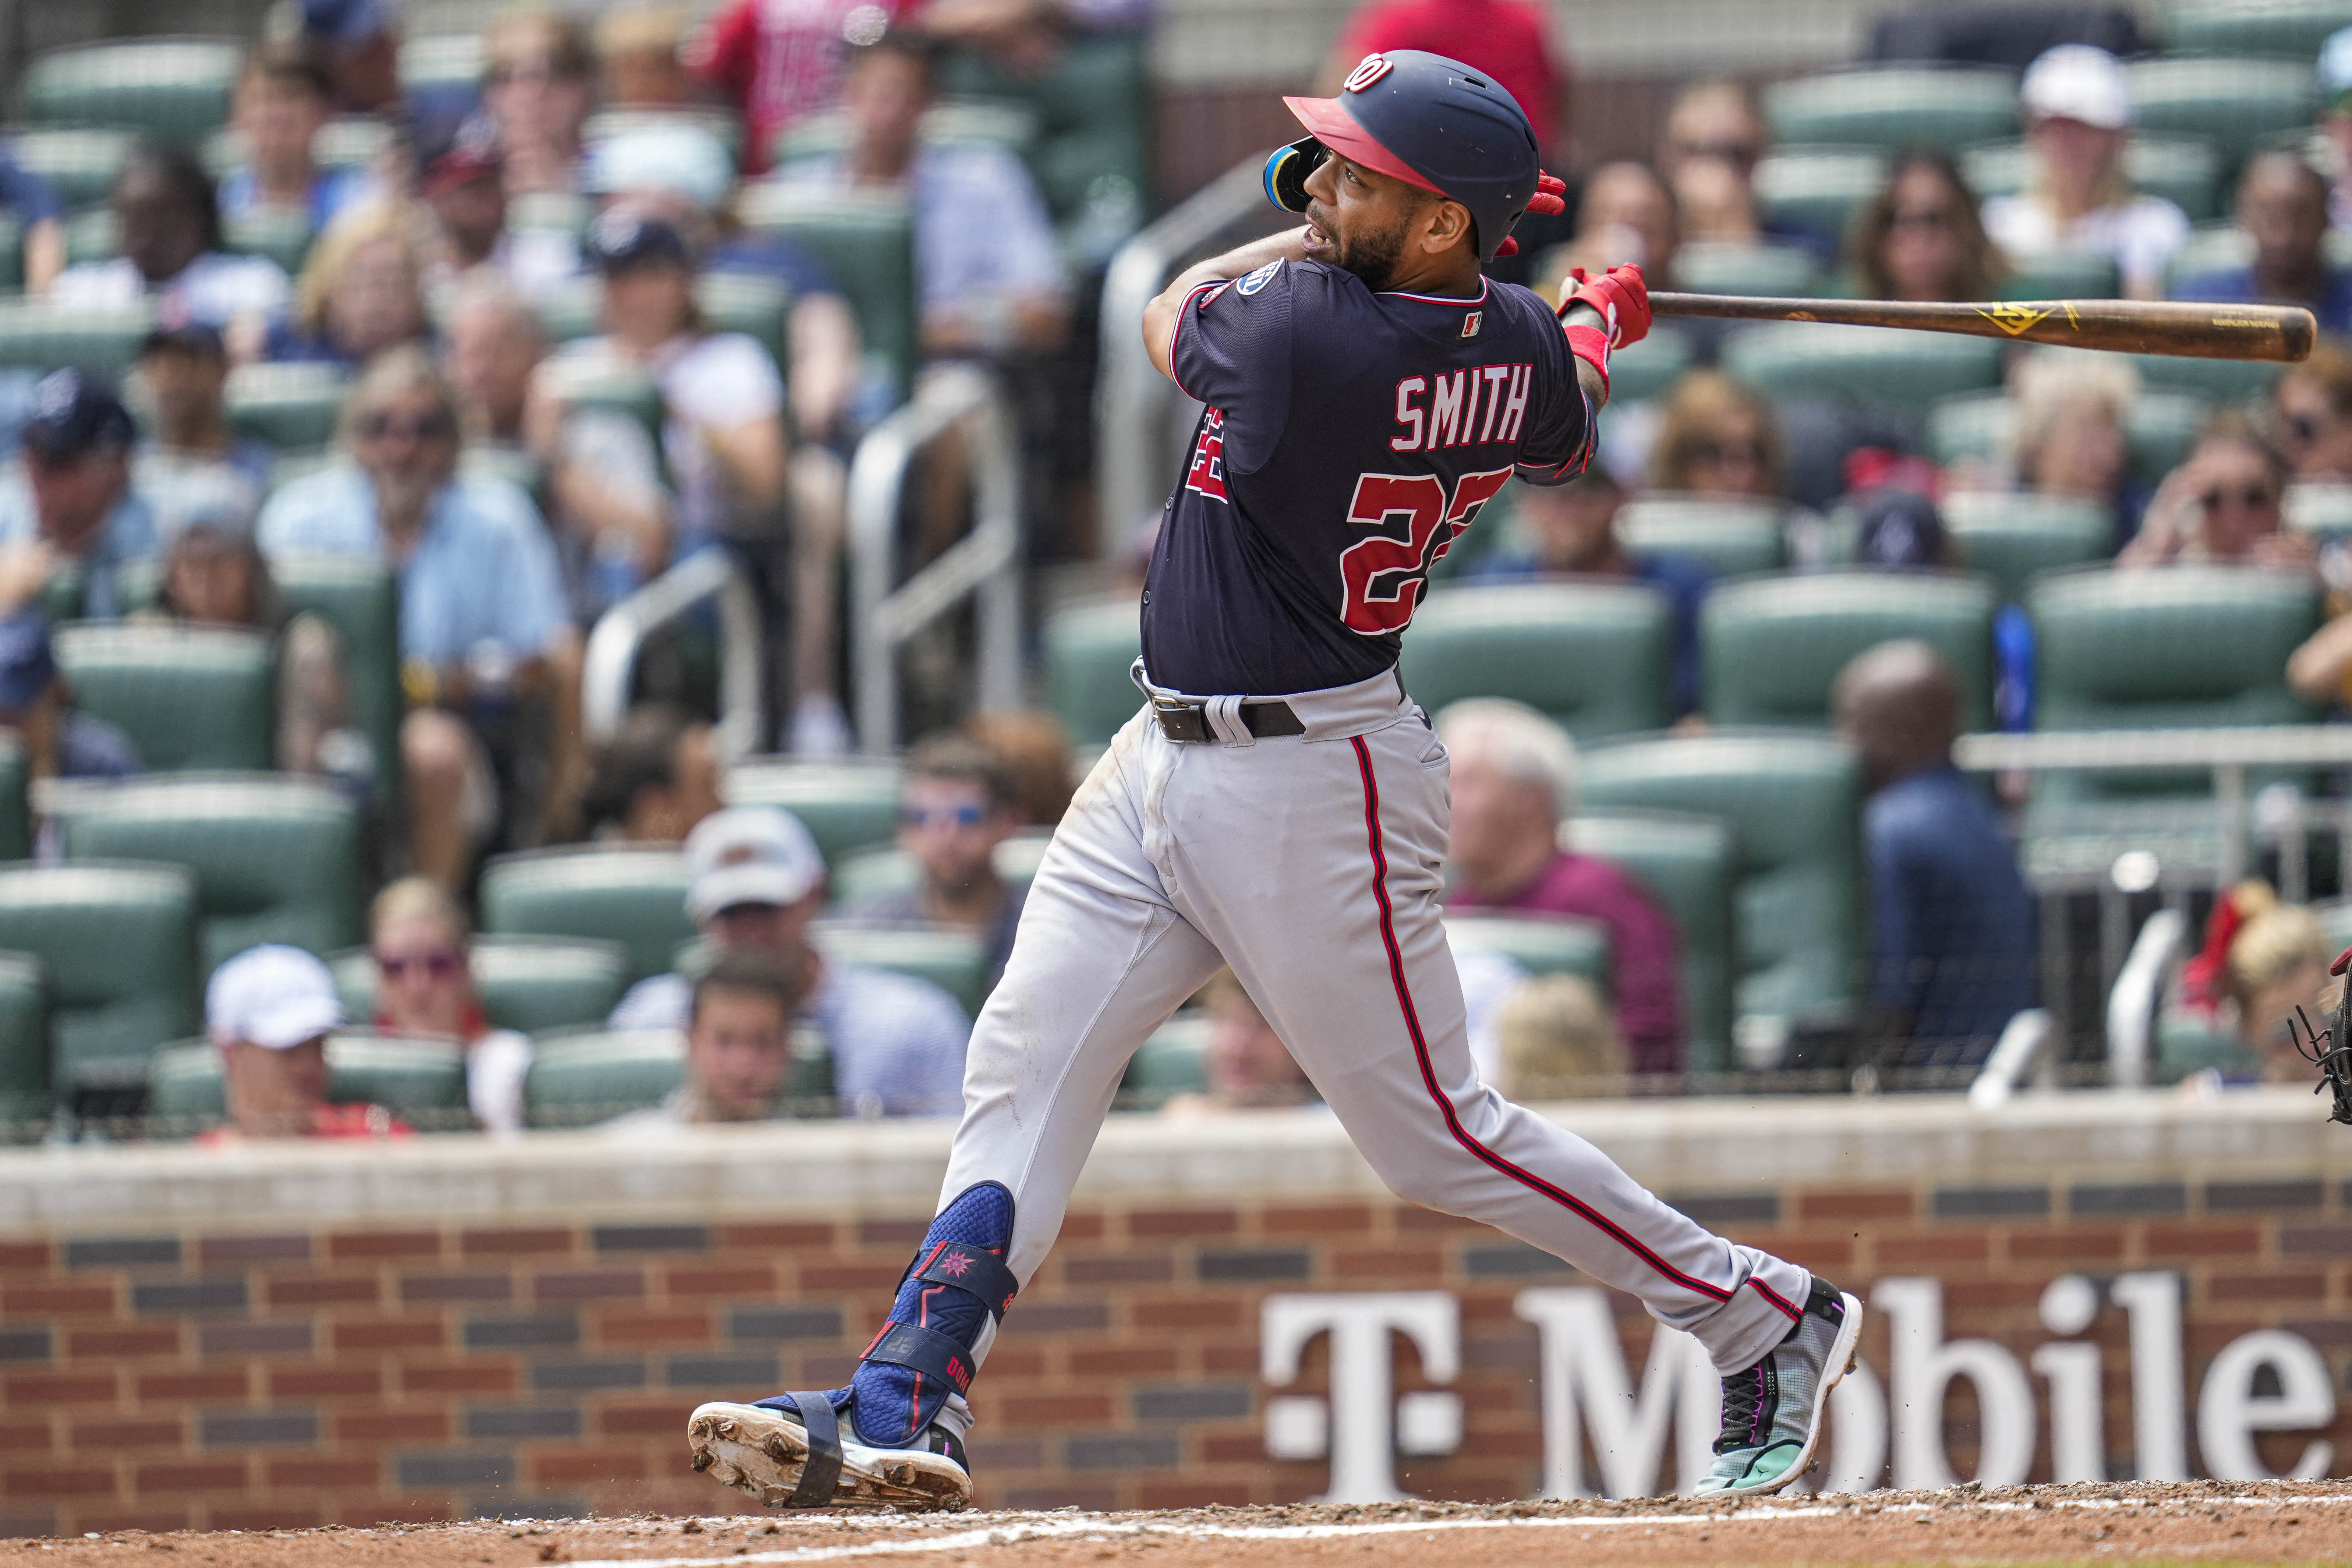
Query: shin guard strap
(972, 1270)
(925, 1351)
(822, 1471)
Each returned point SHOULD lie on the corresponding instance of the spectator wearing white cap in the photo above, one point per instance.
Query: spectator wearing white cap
(269, 1010)
(2078, 113)
(897, 1043)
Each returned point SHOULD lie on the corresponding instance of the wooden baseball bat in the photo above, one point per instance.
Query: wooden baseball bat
(2279, 333)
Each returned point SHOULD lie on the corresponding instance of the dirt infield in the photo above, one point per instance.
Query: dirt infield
(2212, 1521)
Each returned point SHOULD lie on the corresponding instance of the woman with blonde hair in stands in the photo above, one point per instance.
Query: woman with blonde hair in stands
(1558, 1041)
(1717, 437)
(2072, 437)
(363, 290)
(425, 990)
(2312, 402)
(2262, 961)
(1921, 238)
(2223, 506)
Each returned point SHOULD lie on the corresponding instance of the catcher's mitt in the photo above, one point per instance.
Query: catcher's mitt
(2330, 1049)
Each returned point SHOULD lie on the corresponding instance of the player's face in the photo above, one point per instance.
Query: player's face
(1360, 220)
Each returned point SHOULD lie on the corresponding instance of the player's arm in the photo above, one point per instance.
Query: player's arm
(1160, 317)
(1602, 314)
(1588, 374)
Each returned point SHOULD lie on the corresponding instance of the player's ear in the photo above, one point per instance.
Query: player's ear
(1444, 224)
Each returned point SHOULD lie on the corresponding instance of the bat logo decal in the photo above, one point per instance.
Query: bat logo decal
(2013, 319)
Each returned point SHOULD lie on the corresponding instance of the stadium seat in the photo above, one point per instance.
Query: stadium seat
(1897, 371)
(79, 160)
(359, 598)
(175, 90)
(1092, 153)
(760, 308)
(846, 803)
(954, 960)
(1596, 658)
(1174, 1060)
(189, 697)
(2271, 27)
(119, 944)
(525, 983)
(1818, 187)
(1794, 802)
(1688, 864)
(2184, 170)
(288, 406)
(1946, 107)
(870, 873)
(2010, 537)
(2231, 382)
(2210, 247)
(42, 337)
(729, 302)
(91, 235)
(283, 235)
(421, 1081)
(16, 796)
(1770, 647)
(1727, 536)
(2062, 275)
(1707, 266)
(590, 1075)
(25, 1091)
(443, 61)
(865, 241)
(1649, 368)
(2325, 510)
(2237, 101)
(724, 125)
(2161, 427)
(275, 857)
(631, 896)
(1089, 648)
(1554, 944)
(594, 382)
(949, 122)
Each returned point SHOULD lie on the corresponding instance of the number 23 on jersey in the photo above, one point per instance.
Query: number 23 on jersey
(1414, 523)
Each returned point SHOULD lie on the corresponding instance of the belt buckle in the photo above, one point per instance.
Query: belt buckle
(1180, 721)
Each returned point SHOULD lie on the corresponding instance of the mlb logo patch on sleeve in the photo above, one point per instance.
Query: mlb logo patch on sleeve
(1259, 279)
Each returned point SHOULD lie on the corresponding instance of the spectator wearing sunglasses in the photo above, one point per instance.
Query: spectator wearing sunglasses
(1707, 152)
(538, 91)
(2222, 506)
(2312, 402)
(1921, 237)
(1717, 438)
(425, 990)
(958, 805)
(2283, 208)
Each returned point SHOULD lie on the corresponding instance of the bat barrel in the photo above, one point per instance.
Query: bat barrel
(2278, 333)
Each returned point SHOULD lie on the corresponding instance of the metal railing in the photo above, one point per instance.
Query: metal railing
(2024, 1046)
(984, 565)
(619, 638)
(2139, 993)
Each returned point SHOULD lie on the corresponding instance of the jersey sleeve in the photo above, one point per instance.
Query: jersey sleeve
(1558, 442)
(1233, 350)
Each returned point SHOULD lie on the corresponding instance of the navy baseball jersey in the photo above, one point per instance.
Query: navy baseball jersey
(1350, 438)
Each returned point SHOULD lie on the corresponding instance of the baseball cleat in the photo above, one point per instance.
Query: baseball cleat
(775, 1455)
(1772, 1411)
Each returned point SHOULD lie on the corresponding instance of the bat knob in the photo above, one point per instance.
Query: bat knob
(1286, 171)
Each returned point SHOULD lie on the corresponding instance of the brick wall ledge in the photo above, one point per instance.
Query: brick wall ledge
(848, 1169)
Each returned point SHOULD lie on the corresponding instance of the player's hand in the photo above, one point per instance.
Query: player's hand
(1621, 297)
(1551, 199)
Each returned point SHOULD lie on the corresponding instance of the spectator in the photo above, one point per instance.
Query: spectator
(987, 278)
(1898, 529)
(1510, 40)
(71, 493)
(655, 778)
(1249, 1068)
(2221, 505)
(2336, 119)
(1921, 238)
(780, 64)
(2282, 206)
(2262, 960)
(1707, 152)
(425, 990)
(284, 99)
(33, 202)
(2313, 401)
(1717, 438)
(1035, 752)
(538, 89)
(1627, 215)
(1952, 939)
(466, 189)
(59, 740)
(739, 1047)
(1514, 783)
(897, 1043)
(194, 465)
(269, 1011)
(2072, 438)
(359, 43)
(637, 57)
(361, 291)
(2078, 112)
(481, 621)
(169, 227)
(956, 807)
(1571, 529)
(1557, 1042)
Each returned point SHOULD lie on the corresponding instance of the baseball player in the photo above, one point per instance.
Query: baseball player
(1279, 805)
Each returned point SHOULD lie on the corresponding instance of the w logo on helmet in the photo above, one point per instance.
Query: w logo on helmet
(1369, 69)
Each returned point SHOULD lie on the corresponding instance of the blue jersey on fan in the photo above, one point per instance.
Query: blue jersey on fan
(1397, 416)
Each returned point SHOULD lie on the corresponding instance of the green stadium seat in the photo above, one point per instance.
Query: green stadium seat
(864, 240)
(558, 212)
(79, 160)
(1794, 802)
(1650, 368)
(16, 797)
(1730, 537)
(2210, 247)
(950, 123)
(1093, 153)
(2253, 26)
(276, 857)
(760, 308)
(359, 598)
(1089, 647)
(1893, 371)
(2184, 170)
(631, 896)
(1688, 864)
(91, 235)
(2325, 510)
(2161, 427)
(282, 234)
(1818, 187)
(2011, 538)
(288, 406)
(25, 1091)
(955, 961)
(39, 336)
(11, 254)
(2186, 1045)
(1596, 658)
(729, 301)
(1558, 944)
(1771, 648)
(422, 1081)
(175, 90)
(2062, 275)
(1904, 106)
(870, 873)
(2237, 102)
(1707, 266)
(846, 803)
(525, 983)
(2233, 381)
(190, 696)
(454, 59)
(724, 125)
(591, 1075)
(1174, 1060)
(120, 945)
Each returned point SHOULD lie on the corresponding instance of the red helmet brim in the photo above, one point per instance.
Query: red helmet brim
(1336, 129)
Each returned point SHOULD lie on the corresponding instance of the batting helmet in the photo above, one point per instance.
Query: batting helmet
(1428, 121)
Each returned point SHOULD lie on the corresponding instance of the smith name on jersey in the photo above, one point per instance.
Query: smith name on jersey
(1348, 438)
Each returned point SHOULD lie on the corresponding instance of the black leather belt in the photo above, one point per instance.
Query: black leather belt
(1182, 721)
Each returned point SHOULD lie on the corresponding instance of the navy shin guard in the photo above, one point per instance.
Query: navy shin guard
(957, 1283)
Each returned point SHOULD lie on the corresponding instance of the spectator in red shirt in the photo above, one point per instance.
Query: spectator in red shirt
(1507, 39)
(1514, 783)
(780, 64)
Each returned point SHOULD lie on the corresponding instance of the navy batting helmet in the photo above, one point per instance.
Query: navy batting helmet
(1428, 121)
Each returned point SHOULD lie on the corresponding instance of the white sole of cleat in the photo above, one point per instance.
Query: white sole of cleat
(1839, 1362)
(760, 1453)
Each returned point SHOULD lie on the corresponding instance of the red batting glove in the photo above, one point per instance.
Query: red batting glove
(1622, 298)
(1551, 199)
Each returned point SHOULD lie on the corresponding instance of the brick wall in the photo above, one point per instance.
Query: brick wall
(244, 1375)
